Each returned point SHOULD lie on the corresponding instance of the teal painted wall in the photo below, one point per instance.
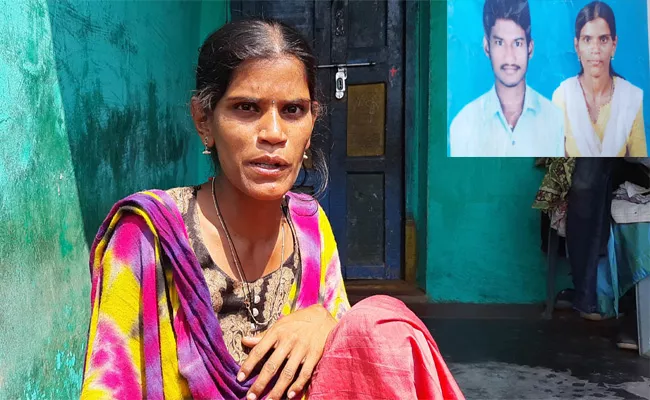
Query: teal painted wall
(214, 13)
(126, 73)
(482, 237)
(417, 156)
(43, 254)
(94, 106)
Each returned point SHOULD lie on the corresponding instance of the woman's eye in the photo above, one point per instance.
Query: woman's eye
(293, 109)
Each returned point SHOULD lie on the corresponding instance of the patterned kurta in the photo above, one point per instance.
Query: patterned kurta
(153, 331)
(227, 295)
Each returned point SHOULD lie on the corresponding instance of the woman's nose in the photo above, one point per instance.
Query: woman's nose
(271, 127)
(595, 46)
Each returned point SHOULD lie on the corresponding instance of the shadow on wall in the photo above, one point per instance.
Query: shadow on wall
(126, 80)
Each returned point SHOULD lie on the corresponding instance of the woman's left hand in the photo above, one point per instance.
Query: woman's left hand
(299, 338)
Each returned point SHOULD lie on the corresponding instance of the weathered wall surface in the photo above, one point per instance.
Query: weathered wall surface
(126, 73)
(43, 255)
(93, 106)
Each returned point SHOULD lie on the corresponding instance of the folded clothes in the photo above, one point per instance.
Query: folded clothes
(633, 193)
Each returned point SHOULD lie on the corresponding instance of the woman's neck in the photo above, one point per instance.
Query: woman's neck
(245, 217)
(597, 86)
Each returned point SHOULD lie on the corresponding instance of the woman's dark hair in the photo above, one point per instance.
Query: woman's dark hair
(255, 38)
(593, 11)
(516, 11)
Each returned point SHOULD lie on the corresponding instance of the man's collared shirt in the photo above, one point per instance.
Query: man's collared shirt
(481, 130)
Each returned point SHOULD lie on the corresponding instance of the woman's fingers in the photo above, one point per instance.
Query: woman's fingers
(269, 370)
(288, 373)
(257, 353)
(251, 341)
(305, 375)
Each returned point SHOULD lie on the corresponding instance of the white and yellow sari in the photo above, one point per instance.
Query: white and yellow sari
(619, 130)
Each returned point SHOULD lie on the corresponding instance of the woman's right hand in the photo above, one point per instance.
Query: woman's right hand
(299, 339)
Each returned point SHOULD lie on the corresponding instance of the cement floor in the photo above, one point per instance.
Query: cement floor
(537, 359)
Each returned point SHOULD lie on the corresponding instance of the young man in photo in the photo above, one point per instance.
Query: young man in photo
(511, 119)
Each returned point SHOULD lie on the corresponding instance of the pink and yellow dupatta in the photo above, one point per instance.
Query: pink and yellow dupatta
(153, 333)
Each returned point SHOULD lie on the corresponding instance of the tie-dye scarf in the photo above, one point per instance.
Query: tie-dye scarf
(153, 333)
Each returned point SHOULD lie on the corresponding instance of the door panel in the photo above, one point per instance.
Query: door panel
(367, 129)
(366, 120)
(361, 134)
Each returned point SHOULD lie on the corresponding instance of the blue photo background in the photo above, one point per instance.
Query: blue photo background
(469, 74)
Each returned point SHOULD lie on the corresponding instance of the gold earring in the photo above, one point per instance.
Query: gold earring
(206, 151)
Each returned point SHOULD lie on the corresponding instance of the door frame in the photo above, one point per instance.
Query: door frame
(416, 140)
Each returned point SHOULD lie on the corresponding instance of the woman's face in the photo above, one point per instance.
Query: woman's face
(596, 47)
(262, 126)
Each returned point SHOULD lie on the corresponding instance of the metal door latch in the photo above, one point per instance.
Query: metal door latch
(339, 81)
(342, 75)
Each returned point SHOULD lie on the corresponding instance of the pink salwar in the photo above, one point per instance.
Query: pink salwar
(381, 350)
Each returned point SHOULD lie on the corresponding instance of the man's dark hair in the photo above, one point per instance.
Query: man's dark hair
(517, 11)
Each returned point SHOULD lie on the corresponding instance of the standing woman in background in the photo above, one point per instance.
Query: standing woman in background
(233, 289)
(603, 112)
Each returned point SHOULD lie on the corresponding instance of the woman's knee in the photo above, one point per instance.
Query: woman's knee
(381, 317)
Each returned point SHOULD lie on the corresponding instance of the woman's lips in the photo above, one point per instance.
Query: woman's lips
(268, 169)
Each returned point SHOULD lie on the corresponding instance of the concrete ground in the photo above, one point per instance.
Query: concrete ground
(509, 352)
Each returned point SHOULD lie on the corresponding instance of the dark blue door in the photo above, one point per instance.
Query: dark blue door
(362, 132)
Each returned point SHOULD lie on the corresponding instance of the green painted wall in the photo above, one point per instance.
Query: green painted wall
(483, 241)
(94, 106)
(417, 156)
(126, 78)
(43, 255)
(214, 13)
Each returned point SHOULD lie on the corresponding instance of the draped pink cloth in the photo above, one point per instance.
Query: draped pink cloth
(381, 350)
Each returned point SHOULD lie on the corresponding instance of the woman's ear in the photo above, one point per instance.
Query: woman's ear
(200, 118)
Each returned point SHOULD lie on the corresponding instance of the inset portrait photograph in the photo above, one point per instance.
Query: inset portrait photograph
(547, 78)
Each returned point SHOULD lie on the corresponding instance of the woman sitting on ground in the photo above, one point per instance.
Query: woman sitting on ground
(232, 289)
